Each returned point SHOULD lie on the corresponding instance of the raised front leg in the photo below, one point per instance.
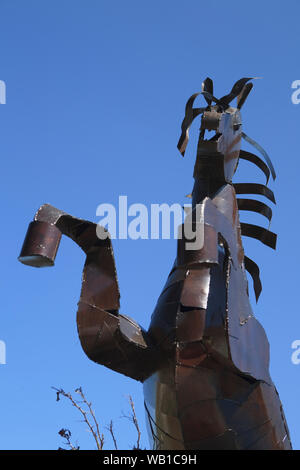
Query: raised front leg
(106, 336)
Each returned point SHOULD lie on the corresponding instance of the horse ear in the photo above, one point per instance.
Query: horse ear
(244, 95)
(208, 85)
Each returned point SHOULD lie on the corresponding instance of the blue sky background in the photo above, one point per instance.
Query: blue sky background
(95, 97)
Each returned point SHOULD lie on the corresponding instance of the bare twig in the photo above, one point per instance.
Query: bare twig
(86, 410)
(132, 417)
(99, 439)
(89, 405)
(110, 429)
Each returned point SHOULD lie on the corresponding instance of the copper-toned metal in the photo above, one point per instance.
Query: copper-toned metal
(40, 245)
(204, 360)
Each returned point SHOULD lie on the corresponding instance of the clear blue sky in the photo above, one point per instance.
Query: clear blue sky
(95, 97)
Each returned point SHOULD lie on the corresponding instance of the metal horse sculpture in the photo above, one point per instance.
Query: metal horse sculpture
(204, 360)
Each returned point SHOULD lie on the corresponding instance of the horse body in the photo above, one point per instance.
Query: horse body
(204, 360)
(214, 390)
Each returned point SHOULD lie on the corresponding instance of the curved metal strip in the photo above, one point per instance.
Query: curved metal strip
(186, 124)
(254, 188)
(253, 270)
(190, 114)
(255, 206)
(255, 231)
(244, 95)
(235, 91)
(190, 102)
(262, 151)
(250, 157)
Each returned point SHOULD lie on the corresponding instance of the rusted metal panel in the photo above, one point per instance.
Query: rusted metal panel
(195, 289)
